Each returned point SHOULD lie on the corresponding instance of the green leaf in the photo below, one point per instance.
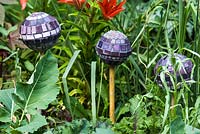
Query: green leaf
(2, 15)
(36, 122)
(93, 89)
(8, 1)
(3, 31)
(29, 66)
(104, 92)
(197, 103)
(6, 100)
(78, 109)
(123, 110)
(49, 132)
(136, 104)
(4, 115)
(80, 126)
(191, 130)
(104, 131)
(78, 38)
(4, 47)
(137, 68)
(177, 126)
(66, 89)
(42, 90)
(80, 28)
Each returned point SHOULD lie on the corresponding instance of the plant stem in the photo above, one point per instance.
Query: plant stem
(100, 87)
(93, 83)
(112, 93)
(197, 49)
(172, 103)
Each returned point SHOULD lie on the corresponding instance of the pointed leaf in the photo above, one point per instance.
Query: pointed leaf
(43, 89)
(36, 122)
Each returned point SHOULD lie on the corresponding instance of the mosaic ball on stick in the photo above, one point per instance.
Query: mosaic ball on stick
(113, 48)
(40, 31)
(183, 71)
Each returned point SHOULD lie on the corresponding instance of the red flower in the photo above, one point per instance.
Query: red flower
(110, 8)
(77, 3)
(23, 4)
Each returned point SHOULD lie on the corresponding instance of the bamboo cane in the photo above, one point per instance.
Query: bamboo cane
(112, 93)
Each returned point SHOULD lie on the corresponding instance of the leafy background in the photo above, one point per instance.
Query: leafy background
(64, 105)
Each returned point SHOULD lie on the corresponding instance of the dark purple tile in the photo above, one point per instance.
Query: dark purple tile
(39, 29)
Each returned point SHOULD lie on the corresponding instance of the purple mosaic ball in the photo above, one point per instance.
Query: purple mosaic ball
(113, 47)
(184, 69)
(40, 31)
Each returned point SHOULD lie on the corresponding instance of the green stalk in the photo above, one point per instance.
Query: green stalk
(98, 102)
(165, 24)
(182, 24)
(93, 83)
(197, 49)
(148, 74)
(17, 68)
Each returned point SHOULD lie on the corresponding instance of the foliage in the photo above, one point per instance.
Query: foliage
(81, 126)
(21, 104)
(67, 90)
(2, 10)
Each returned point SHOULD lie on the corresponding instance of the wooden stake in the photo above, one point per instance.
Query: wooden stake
(112, 93)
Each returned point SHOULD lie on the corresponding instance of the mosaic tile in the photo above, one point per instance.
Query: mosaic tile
(40, 31)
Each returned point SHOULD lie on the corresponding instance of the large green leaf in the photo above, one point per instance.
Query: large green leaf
(104, 131)
(177, 126)
(8, 1)
(191, 130)
(36, 122)
(43, 88)
(8, 106)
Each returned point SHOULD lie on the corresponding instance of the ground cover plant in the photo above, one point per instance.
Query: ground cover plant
(65, 89)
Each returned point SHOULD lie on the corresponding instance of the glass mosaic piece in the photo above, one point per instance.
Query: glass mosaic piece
(113, 47)
(40, 31)
(183, 65)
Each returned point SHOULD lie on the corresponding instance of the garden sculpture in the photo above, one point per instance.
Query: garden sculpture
(113, 48)
(40, 31)
(182, 72)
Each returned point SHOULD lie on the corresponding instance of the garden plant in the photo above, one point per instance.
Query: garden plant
(99, 66)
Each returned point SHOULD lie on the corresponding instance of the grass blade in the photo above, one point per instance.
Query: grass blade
(66, 90)
(93, 82)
